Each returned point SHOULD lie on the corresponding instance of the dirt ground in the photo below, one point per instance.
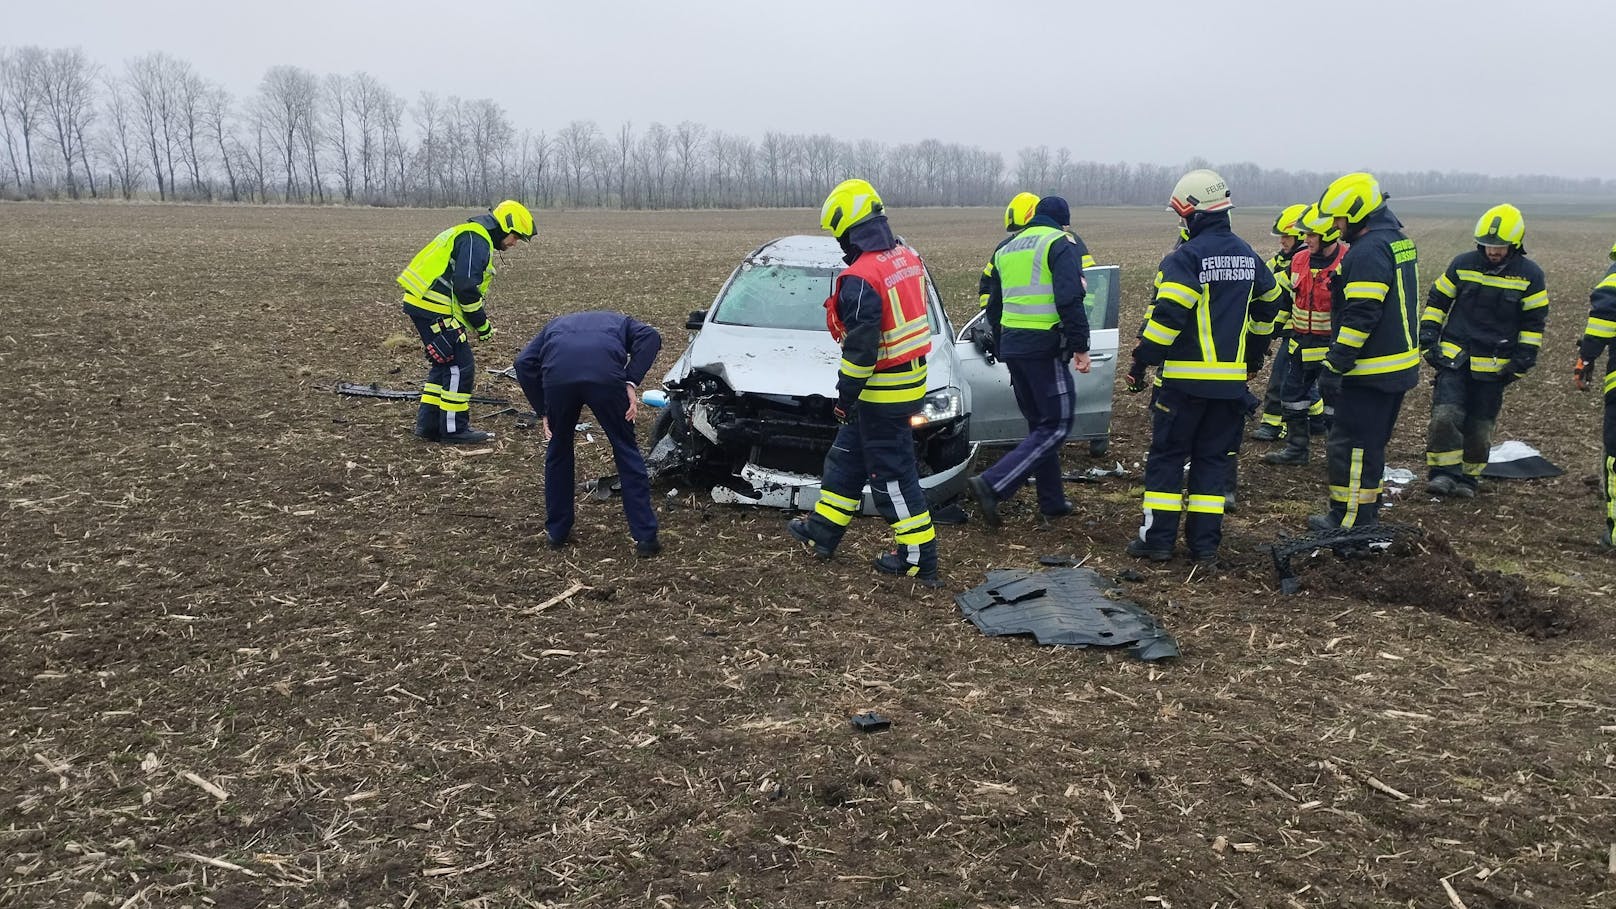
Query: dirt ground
(260, 647)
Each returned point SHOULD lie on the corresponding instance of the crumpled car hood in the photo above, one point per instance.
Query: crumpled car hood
(768, 360)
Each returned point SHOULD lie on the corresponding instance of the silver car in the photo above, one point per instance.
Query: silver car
(749, 401)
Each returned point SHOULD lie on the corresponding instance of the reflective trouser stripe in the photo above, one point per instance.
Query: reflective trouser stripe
(837, 509)
(1200, 504)
(1164, 501)
(430, 393)
(912, 531)
(1273, 419)
(1610, 490)
(1444, 458)
(1354, 489)
(1473, 469)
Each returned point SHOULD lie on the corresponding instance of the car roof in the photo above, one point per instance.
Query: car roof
(800, 251)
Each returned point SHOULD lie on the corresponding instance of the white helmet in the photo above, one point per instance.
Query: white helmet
(1200, 190)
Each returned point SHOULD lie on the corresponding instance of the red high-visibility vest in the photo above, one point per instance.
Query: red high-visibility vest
(1310, 309)
(899, 277)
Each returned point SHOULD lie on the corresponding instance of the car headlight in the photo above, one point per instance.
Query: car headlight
(939, 407)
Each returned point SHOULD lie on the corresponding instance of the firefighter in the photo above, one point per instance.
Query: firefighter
(1481, 330)
(877, 313)
(444, 290)
(1035, 305)
(1287, 227)
(1372, 360)
(1206, 335)
(1314, 271)
(1599, 335)
(595, 359)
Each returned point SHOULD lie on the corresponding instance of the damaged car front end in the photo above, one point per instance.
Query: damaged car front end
(749, 401)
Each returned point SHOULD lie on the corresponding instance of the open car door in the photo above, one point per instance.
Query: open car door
(995, 418)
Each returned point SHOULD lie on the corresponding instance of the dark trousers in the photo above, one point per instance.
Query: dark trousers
(1045, 394)
(1273, 402)
(446, 394)
(563, 405)
(1356, 452)
(1464, 410)
(1205, 433)
(1608, 473)
(877, 446)
(1300, 394)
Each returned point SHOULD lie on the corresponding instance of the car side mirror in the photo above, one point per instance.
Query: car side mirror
(696, 320)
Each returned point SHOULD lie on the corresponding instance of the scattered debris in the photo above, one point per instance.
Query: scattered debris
(1068, 606)
(602, 489)
(508, 372)
(1344, 542)
(1095, 474)
(870, 721)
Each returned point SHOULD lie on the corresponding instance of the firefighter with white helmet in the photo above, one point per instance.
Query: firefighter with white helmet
(1206, 335)
(1481, 330)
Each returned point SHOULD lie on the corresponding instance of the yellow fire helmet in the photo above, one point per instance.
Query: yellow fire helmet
(1289, 222)
(1020, 211)
(1314, 221)
(849, 203)
(514, 218)
(1352, 196)
(1501, 225)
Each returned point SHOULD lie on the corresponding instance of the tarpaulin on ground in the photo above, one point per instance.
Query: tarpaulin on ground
(1067, 606)
(1518, 461)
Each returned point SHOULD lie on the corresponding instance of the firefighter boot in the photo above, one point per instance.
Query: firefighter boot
(815, 533)
(1268, 432)
(1294, 454)
(918, 563)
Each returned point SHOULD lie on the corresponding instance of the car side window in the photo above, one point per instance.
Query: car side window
(1101, 299)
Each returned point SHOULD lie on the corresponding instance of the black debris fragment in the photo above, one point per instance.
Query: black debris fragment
(870, 722)
(1067, 606)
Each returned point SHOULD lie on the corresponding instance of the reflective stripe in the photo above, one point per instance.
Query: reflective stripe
(1314, 354)
(1600, 328)
(1530, 338)
(422, 278)
(854, 370)
(1367, 290)
(1450, 349)
(1535, 301)
(1370, 366)
(1261, 329)
(1610, 383)
(1435, 314)
(837, 509)
(1473, 469)
(1354, 482)
(1445, 287)
(1308, 321)
(1164, 501)
(1200, 504)
(1499, 281)
(1181, 294)
(1444, 458)
(1487, 364)
(1159, 333)
(899, 386)
(1197, 369)
(1352, 337)
(1609, 282)
(1610, 478)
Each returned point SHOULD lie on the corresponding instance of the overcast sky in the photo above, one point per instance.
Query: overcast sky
(1489, 86)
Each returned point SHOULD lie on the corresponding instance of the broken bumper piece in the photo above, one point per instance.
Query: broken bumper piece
(784, 489)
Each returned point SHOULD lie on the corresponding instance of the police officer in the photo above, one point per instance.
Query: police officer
(594, 359)
(1206, 333)
(1035, 305)
(1481, 330)
(1314, 272)
(1287, 227)
(1372, 360)
(1599, 335)
(444, 290)
(877, 313)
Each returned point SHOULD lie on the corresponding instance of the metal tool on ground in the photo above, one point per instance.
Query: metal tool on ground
(401, 394)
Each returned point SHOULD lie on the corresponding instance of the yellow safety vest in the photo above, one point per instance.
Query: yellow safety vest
(1027, 287)
(425, 280)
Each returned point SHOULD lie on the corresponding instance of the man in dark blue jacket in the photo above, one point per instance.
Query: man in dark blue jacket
(1207, 335)
(1035, 306)
(595, 359)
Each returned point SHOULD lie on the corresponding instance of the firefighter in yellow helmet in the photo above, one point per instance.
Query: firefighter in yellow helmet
(1372, 360)
(877, 313)
(1481, 330)
(1288, 228)
(1314, 271)
(1596, 338)
(445, 287)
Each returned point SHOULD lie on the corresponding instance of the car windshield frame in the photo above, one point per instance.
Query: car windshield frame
(749, 291)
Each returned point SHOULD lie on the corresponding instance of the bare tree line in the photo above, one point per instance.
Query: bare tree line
(156, 128)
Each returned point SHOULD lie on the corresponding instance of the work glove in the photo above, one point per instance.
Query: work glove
(842, 410)
(1428, 339)
(1329, 382)
(1581, 372)
(1254, 363)
(1134, 382)
(485, 331)
(441, 349)
(1433, 357)
(1515, 370)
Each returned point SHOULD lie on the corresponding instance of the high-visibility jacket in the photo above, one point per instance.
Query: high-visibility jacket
(1025, 283)
(1374, 310)
(437, 281)
(984, 284)
(1487, 314)
(1214, 292)
(898, 278)
(1280, 264)
(1312, 290)
(1601, 330)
